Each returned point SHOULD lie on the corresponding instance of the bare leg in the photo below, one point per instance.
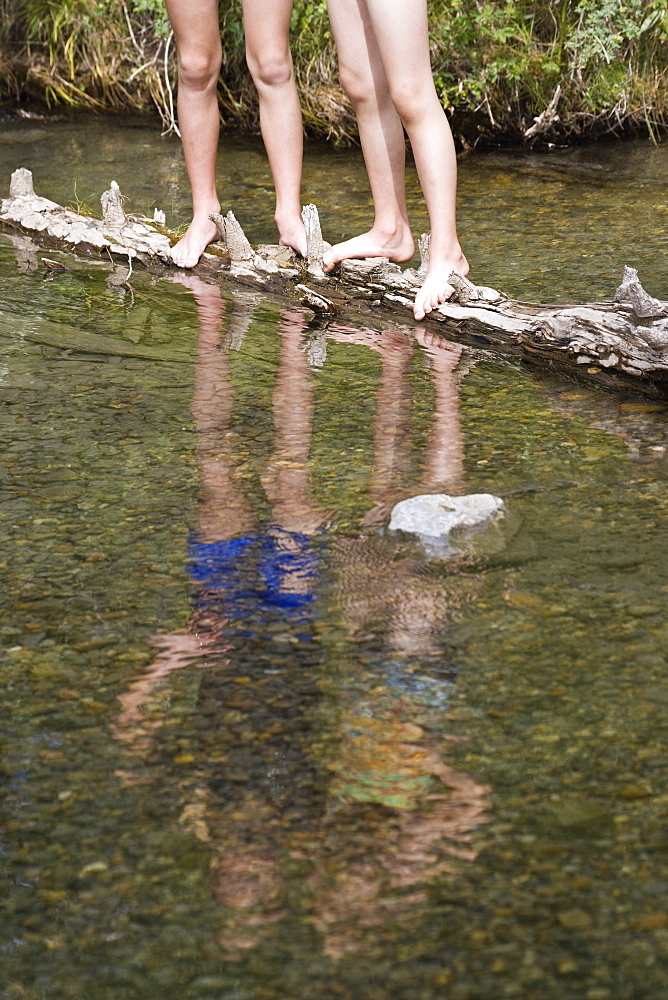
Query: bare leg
(197, 33)
(381, 134)
(391, 48)
(403, 43)
(267, 25)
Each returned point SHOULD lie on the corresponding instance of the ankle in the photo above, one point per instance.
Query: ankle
(392, 232)
(204, 209)
(288, 221)
(445, 251)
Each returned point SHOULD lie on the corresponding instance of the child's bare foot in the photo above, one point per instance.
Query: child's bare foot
(191, 246)
(436, 287)
(398, 246)
(291, 233)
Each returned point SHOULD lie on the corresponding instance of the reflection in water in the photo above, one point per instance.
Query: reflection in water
(389, 684)
(25, 249)
(564, 688)
(642, 424)
(319, 747)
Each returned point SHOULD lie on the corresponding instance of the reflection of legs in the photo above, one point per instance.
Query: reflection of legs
(377, 875)
(224, 512)
(412, 606)
(244, 879)
(444, 455)
(195, 24)
(381, 135)
(246, 884)
(391, 420)
(422, 609)
(269, 60)
(443, 462)
(286, 481)
(419, 813)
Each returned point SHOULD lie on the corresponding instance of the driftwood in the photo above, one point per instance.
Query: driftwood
(545, 121)
(622, 343)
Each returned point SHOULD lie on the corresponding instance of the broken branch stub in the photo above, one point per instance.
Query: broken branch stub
(220, 224)
(23, 201)
(465, 290)
(643, 304)
(423, 246)
(113, 214)
(20, 185)
(315, 245)
(235, 239)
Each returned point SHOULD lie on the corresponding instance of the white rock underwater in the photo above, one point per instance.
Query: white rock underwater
(433, 517)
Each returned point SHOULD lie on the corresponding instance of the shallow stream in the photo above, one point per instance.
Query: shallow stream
(253, 746)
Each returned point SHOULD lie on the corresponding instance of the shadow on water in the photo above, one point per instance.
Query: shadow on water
(255, 746)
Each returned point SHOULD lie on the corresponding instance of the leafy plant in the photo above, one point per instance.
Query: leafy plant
(497, 63)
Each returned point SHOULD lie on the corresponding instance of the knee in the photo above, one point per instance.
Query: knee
(270, 69)
(199, 69)
(358, 85)
(412, 104)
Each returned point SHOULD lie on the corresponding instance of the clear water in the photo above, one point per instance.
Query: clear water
(254, 747)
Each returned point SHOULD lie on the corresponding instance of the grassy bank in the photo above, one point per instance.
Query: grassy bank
(585, 66)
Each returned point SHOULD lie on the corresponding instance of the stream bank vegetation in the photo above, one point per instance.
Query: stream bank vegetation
(506, 70)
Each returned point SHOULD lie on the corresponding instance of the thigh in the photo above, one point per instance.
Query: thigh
(267, 27)
(401, 34)
(356, 45)
(195, 23)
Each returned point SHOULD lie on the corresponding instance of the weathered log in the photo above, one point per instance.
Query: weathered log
(117, 234)
(615, 344)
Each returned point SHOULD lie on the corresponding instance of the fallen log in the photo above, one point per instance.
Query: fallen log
(618, 344)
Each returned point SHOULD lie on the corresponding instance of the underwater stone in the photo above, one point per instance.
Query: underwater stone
(433, 516)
